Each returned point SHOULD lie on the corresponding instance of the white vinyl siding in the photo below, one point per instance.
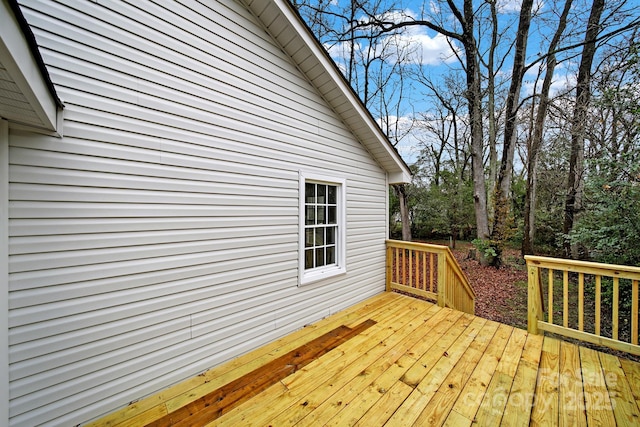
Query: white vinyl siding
(4, 271)
(160, 236)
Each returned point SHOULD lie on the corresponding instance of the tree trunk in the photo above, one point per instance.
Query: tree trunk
(503, 186)
(536, 140)
(491, 110)
(401, 192)
(573, 198)
(474, 99)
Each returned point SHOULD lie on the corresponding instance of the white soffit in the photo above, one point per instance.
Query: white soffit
(26, 97)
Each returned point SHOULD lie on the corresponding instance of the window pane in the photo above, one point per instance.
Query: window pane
(310, 193)
(320, 257)
(332, 195)
(322, 190)
(332, 212)
(321, 215)
(310, 215)
(331, 235)
(321, 222)
(308, 238)
(331, 255)
(308, 258)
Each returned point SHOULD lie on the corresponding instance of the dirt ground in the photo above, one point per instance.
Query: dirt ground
(501, 293)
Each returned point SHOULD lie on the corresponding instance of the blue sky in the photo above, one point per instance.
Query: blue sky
(434, 55)
(423, 50)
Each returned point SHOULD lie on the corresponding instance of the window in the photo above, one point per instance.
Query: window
(322, 241)
(320, 224)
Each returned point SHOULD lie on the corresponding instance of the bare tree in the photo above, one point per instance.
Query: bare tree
(613, 126)
(583, 93)
(491, 105)
(535, 142)
(374, 69)
(503, 184)
(445, 128)
(465, 35)
(484, 42)
(474, 99)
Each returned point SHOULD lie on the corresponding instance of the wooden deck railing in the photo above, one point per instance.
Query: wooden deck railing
(428, 271)
(592, 302)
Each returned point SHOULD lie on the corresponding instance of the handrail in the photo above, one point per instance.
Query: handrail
(582, 283)
(429, 271)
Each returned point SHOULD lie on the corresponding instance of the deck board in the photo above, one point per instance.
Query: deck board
(448, 391)
(474, 391)
(497, 395)
(518, 409)
(597, 400)
(419, 364)
(625, 408)
(359, 378)
(545, 404)
(570, 393)
(632, 373)
(215, 404)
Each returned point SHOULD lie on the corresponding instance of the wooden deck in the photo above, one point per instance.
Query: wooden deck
(398, 361)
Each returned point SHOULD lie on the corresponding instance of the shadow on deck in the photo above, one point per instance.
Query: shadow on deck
(398, 361)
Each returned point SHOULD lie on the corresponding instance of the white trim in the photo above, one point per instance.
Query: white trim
(4, 272)
(386, 207)
(310, 276)
(58, 133)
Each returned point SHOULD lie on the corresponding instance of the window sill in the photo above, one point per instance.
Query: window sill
(312, 276)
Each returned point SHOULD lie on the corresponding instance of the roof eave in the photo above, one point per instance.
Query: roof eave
(27, 96)
(282, 19)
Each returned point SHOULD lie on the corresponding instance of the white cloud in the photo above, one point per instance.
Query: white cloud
(409, 149)
(562, 80)
(514, 6)
(412, 140)
(434, 7)
(410, 47)
(427, 50)
(508, 6)
(413, 44)
(341, 50)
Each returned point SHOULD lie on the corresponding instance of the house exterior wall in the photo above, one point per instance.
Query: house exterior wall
(4, 271)
(159, 236)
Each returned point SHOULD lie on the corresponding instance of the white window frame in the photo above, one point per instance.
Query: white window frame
(307, 276)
